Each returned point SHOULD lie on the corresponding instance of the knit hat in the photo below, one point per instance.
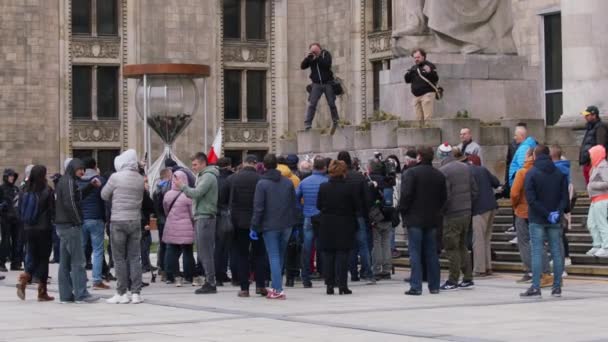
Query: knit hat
(444, 150)
(292, 161)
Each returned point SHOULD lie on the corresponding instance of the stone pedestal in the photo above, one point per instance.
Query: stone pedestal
(363, 140)
(288, 146)
(450, 129)
(309, 141)
(384, 134)
(325, 143)
(344, 138)
(494, 135)
(414, 137)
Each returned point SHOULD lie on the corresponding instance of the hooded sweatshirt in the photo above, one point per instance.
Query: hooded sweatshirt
(546, 190)
(598, 180)
(125, 188)
(286, 172)
(69, 196)
(179, 229)
(564, 166)
(204, 195)
(8, 195)
(274, 203)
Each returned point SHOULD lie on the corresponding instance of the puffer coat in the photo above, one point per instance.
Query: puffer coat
(179, 229)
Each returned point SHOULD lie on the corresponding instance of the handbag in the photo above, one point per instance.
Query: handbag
(438, 89)
(336, 85)
(225, 227)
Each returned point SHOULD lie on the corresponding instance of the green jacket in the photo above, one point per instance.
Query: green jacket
(204, 194)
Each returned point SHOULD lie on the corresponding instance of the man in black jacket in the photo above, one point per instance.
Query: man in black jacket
(419, 76)
(11, 246)
(319, 62)
(223, 239)
(596, 134)
(242, 186)
(68, 219)
(423, 195)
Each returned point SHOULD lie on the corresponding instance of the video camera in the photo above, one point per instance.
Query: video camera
(389, 166)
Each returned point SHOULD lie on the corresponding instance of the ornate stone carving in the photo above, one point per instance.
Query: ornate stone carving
(380, 41)
(245, 133)
(95, 49)
(96, 131)
(243, 53)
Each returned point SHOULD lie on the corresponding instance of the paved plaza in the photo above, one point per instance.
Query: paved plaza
(490, 312)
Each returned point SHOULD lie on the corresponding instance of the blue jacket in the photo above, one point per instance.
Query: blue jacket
(93, 207)
(486, 183)
(520, 158)
(309, 189)
(546, 190)
(564, 167)
(274, 203)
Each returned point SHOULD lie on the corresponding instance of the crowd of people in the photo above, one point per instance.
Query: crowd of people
(266, 220)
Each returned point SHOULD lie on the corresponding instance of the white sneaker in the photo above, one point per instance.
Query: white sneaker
(565, 274)
(592, 251)
(118, 299)
(567, 262)
(513, 241)
(511, 231)
(197, 281)
(179, 282)
(136, 299)
(602, 253)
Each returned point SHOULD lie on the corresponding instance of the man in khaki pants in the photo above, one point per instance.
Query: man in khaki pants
(420, 76)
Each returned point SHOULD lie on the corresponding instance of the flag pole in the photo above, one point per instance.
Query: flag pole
(205, 113)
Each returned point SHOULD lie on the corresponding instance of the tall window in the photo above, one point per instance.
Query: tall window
(104, 13)
(389, 14)
(245, 19)
(245, 95)
(553, 67)
(94, 82)
(377, 14)
(376, 68)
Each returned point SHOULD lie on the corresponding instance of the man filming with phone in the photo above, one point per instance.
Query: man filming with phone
(319, 62)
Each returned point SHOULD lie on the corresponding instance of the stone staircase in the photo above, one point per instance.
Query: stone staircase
(507, 256)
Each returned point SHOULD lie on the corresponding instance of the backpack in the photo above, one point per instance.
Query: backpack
(29, 208)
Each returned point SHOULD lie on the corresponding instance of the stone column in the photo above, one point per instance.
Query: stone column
(279, 103)
(584, 48)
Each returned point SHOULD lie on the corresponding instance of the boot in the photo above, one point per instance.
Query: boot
(43, 296)
(24, 278)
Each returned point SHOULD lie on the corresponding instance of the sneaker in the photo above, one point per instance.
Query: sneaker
(513, 241)
(467, 285)
(118, 299)
(334, 126)
(243, 294)
(511, 231)
(66, 302)
(88, 300)
(601, 253)
(564, 274)
(100, 286)
(197, 281)
(276, 295)
(369, 281)
(136, 298)
(531, 293)
(261, 291)
(590, 252)
(546, 281)
(556, 292)
(526, 278)
(179, 282)
(307, 284)
(448, 286)
(567, 262)
(412, 292)
(206, 289)
(434, 291)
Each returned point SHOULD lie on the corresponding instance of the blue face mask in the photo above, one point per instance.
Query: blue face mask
(163, 183)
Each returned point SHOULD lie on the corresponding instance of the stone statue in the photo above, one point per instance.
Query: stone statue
(454, 26)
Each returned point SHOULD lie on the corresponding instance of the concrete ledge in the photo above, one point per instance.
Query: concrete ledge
(363, 140)
(414, 137)
(309, 141)
(344, 138)
(384, 134)
(450, 128)
(494, 135)
(325, 143)
(288, 146)
(560, 135)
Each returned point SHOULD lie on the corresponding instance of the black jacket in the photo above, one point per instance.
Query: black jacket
(68, 205)
(511, 148)
(546, 190)
(320, 67)
(423, 196)
(274, 203)
(242, 184)
(596, 134)
(339, 203)
(8, 196)
(420, 86)
(359, 183)
(486, 183)
(223, 189)
(376, 193)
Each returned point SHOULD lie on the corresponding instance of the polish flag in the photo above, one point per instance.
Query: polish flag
(216, 149)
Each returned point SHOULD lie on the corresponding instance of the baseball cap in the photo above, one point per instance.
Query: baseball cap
(591, 110)
(251, 159)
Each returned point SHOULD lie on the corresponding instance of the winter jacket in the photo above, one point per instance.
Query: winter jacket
(462, 190)
(46, 211)
(286, 172)
(179, 229)
(243, 184)
(274, 203)
(205, 193)
(125, 188)
(546, 190)
(308, 191)
(93, 207)
(518, 192)
(338, 204)
(420, 86)
(223, 189)
(520, 157)
(564, 166)
(510, 153)
(598, 180)
(8, 195)
(359, 182)
(471, 148)
(423, 196)
(69, 196)
(596, 134)
(376, 193)
(320, 67)
(486, 183)
(162, 187)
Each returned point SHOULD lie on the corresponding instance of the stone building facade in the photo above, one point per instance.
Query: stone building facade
(62, 93)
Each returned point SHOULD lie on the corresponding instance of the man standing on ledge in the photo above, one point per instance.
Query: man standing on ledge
(596, 133)
(423, 77)
(319, 62)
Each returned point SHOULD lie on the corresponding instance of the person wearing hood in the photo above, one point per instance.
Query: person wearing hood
(204, 211)
(274, 212)
(563, 165)
(93, 227)
(547, 195)
(224, 235)
(598, 192)
(125, 191)
(11, 247)
(171, 164)
(286, 172)
(68, 220)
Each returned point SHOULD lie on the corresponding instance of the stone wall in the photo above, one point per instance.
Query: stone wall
(528, 27)
(29, 84)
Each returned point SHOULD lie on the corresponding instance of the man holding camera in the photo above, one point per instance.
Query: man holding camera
(319, 62)
(423, 77)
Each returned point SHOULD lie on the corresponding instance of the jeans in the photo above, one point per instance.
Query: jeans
(336, 268)
(72, 275)
(95, 230)
(362, 251)
(223, 245)
(381, 254)
(56, 245)
(423, 239)
(172, 255)
(315, 94)
(276, 244)
(455, 232)
(308, 237)
(145, 244)
(205, 247)
(250, 252)
(126, 241)
(39, 250)
(553, 232)
(523, 244)
(162, 247)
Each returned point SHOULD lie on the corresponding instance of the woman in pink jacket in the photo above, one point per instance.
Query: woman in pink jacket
(178, 234)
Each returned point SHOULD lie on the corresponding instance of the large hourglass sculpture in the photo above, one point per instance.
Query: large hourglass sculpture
(166, 100)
